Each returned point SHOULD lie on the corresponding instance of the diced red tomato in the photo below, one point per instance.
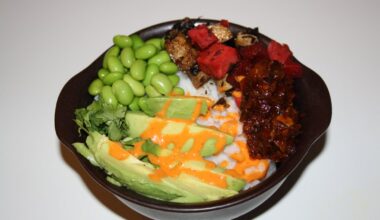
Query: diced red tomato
(217, 60)
(201, 36)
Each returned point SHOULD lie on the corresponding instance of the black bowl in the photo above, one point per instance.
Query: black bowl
(312, 100)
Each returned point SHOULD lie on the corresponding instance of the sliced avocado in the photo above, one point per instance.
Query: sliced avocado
(209, 148)
(133, 173)
(207, 191)
(187, 146)
(113, 181)
(233, 183)
(139, 122)
(155, 149)
(180, 107)
(85, 152)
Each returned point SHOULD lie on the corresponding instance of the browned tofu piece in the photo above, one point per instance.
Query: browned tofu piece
(185, 56)
(181, 51)
(199, 79)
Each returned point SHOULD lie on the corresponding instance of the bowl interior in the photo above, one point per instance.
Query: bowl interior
(312, 100)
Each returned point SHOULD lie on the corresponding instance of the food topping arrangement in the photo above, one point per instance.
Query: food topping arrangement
(197, 115)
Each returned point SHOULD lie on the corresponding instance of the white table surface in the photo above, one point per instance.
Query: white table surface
(44, 43)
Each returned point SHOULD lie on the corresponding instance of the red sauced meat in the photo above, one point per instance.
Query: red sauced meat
(269, 118)
(265, 77)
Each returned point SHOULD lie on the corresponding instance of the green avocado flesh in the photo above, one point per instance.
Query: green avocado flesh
(134, 174)
(180, 107)
(232, 182)
(139, 122)
(155, 149)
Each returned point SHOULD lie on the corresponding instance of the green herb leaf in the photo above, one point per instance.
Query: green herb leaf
(103, 118)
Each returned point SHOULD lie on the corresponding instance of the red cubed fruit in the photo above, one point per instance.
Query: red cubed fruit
(278, 52)
(283, 55)
(217, 60)
(201, 36)
(292, 68)
(225, 23)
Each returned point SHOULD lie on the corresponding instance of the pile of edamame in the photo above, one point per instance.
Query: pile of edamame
(133, 70)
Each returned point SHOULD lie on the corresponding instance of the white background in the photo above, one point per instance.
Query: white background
(44, 43)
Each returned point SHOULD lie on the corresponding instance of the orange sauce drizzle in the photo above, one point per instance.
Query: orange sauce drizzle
(219, 108)
(172, 165)
(197, 110)
(137, 149)
(224, 163)
(230, 124)
(257, 168)
(117, 151)
(162, 112)
(230, 127)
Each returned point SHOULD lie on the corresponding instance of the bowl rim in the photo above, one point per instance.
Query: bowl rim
(277, 177)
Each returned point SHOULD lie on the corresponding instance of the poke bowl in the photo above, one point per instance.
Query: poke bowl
(311, 100)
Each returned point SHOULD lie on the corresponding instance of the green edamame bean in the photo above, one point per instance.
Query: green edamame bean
(107, 96)
(134, 106)
(112, 77)
(150, 71)
(144, 106)
(178, 91)
(138, 69)
(113, 51)
(145, 52)
(151, 91)
(115, 65)
(160, 58)
(127, 57)
(102, 73)
(136, 86)
(122, 41)
(174, 79)
(122, 92)
(161, 83)
(168, 68)
(95, 87)
(136, 41)
(156, 42)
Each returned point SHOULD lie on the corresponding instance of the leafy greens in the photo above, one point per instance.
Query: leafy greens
(103, 118)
